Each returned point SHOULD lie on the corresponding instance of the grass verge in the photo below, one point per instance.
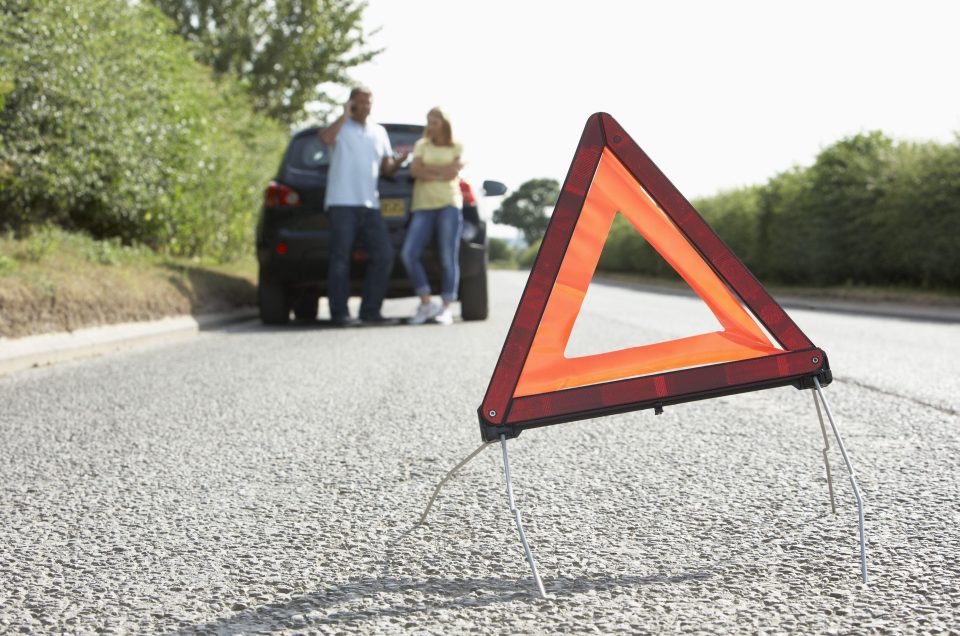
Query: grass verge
(59, 281)
(853, 293)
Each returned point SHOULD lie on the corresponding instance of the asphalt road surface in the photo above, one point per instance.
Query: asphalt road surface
(268, 480)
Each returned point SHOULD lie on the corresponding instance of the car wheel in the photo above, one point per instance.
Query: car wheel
(306, 306)
(273, 302)
(473, 296)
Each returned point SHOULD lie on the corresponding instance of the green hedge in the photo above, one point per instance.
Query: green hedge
(868, 211)
(529, 254)
(107, 125)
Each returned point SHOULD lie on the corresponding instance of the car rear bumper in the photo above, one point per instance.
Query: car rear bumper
(301, 259)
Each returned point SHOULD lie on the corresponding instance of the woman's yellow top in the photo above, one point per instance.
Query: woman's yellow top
(431, 195)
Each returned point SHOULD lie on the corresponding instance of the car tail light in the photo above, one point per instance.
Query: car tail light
(281, 248)
(467, 192)
(278, 195)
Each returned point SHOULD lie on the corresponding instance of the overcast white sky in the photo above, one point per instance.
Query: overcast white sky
(719, 94)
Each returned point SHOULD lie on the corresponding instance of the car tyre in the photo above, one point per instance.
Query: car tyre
(473, 296)
(273, 302)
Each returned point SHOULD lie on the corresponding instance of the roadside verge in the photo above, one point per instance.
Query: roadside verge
(17, 354)
(927, 307)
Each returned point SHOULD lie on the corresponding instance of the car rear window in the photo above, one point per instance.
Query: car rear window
(308, 151)
(403, 140)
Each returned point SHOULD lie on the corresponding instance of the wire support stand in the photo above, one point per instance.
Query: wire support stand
(453, 471)
(516, 518)
(826, 449)
(853, 478)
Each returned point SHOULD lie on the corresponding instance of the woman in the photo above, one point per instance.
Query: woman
(437, 209)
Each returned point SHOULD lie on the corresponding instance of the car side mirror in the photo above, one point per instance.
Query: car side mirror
(493, 188)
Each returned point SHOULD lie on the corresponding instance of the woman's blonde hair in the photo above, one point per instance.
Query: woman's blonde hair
(446, 130)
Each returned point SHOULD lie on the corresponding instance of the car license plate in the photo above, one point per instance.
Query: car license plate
(391, 207)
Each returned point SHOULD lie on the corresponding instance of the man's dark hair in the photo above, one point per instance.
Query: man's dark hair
(360, 90)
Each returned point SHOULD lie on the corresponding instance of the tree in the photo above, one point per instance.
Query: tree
(111, 128)
(526, 208)
(848, 180)
(281, 51)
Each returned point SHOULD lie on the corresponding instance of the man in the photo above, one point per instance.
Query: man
(361, 153)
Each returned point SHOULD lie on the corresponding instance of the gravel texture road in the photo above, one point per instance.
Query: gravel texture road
(267, 480)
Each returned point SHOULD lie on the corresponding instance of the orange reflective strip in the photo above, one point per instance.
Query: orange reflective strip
(545, 374)
(619, 187)
(614, 189)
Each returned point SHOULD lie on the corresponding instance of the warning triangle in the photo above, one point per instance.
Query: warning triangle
(535, 384)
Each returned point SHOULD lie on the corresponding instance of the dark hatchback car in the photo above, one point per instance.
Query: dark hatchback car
(293, 237)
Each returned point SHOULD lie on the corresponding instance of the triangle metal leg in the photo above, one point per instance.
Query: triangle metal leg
(853, 478)
(451, 473)
(516, 518)
(826, 448)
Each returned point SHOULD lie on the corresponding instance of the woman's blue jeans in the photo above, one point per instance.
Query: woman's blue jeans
(447, 224)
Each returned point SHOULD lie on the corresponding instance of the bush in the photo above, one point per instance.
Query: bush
(499, 250)
(786, 239)
(868, 211)
(109, 127)
(917, 223)
(627, 251)
(733, 216)
(7, 264)
(526, 258)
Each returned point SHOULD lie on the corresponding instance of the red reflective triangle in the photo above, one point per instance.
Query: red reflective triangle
(535, 384)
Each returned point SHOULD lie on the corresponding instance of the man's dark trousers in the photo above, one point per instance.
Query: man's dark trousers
(346, 222)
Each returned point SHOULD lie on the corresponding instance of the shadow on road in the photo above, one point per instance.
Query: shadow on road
(439, 593)
(318, 324)
(210, 291)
